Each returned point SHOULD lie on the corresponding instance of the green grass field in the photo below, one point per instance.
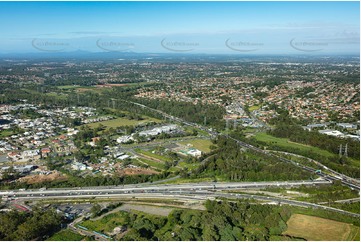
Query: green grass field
(155, 156)
(315, 228)
(114, 123)
(190, 166)
(283, 142)
(67, 87)
(107, 223)
(121, 122)
(250, 130)
(82, 89)
(57, 95)
(5, 133)
(253, 108)
(158, 165)
(66, 235)
(50, 94)
(200, 144)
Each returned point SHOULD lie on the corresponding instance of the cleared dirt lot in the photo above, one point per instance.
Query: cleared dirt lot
(161, 211)
(32, 179)
(137, 171)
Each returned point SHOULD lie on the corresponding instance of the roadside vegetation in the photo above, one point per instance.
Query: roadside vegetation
(228, 221)
(326, 193)
(353, 207)
(232, 164)
(66, 235)
(28, 226)
(221, 221)
(289, 136)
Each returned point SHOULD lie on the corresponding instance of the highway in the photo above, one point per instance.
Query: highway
(352, 183)
(144, 188)
(189, 191)
(192, 191)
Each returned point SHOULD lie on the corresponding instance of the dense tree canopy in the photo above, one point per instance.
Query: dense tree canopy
(221, 221)
(232, 163)
(28, 226)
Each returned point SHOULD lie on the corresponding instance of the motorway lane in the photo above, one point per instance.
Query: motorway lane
(199, 191)
(160, 187)
(187, 195)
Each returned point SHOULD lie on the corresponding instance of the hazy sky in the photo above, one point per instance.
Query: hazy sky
(187, 27)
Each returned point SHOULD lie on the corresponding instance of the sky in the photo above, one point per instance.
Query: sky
(181, 27)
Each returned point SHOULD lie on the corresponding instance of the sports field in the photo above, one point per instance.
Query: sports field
(253, 108)
(283, 142)
(155, 164)
(315, 228)
(121, 122)
(5, 133)
(200, 144)
(66, 87)
(153, 156)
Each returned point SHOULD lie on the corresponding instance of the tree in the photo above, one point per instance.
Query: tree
(188, 234)
(226, 233)
(210, 205)
(19, 226)
(237, 233)
(95, 210)
(174, 217)
(255, 232)
(210, 233)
